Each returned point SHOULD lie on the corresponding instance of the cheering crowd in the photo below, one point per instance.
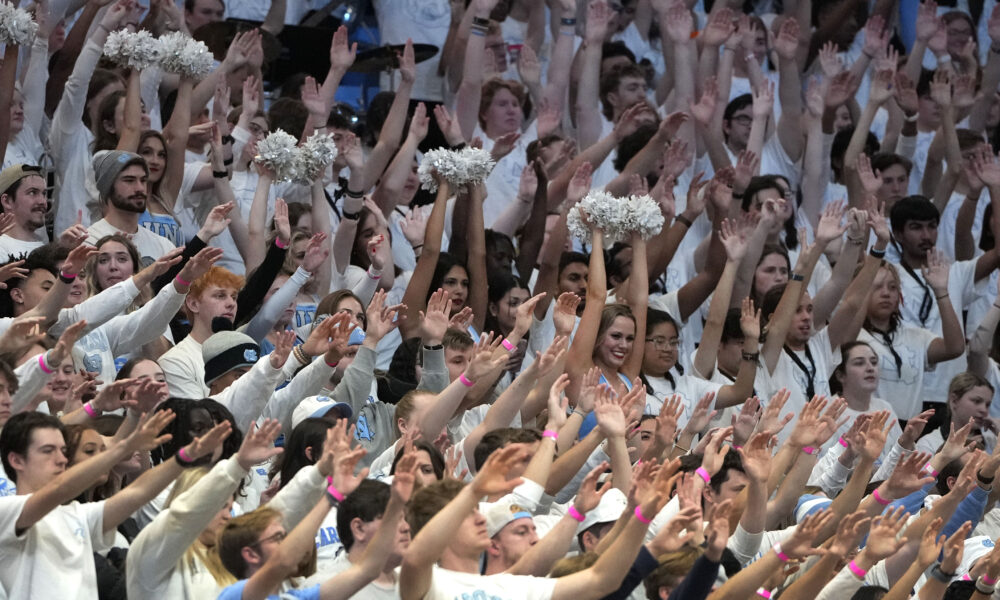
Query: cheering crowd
(663, 299)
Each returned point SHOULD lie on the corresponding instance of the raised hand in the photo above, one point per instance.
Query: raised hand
(908, 477)
(829, 61)
(936, 272)
(579, 185)
(381, 318)
(799, 544)
(449, 125)
(258, 445)
(716, 450)
(147, 435)
(342, 54)
(485, 358)
(590, 389)
(493, 477)
(701, 414)
(207, 444)
(771, 421)
(434, 323)
(883, 541)
(850, 531)
(610, 416)
(756, 457)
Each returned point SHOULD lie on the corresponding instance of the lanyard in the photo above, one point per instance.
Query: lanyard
(810, 372)
(926, 302)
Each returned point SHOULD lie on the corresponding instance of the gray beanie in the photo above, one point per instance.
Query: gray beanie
(227, 350)
(107, 166)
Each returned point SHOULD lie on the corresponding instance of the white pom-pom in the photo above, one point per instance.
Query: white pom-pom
(185, 56)
(279, 153)
(616, 217)
(139, 50)
(316, 154)
(642, 214)
(17, 27)
(463, 167)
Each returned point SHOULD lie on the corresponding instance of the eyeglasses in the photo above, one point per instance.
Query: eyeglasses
(661, 342)
(276, 538)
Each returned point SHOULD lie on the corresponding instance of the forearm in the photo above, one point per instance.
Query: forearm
(126, 502)
(743, 584)
(982, 340)
(570, 462)
(965, 244)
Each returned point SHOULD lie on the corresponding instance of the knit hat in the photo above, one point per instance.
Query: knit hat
(314, 407)
(228, 350)
(107, 166)
(15, 173)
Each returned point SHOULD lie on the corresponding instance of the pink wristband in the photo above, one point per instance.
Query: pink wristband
(810, 450)
(66, 275)
(642, 519)
(181, 454)
(374, 277)
(842, 442)
(331, 365)
(858, 571)
(986, 579)
(577, 515)
(279, 243)
(764, 593)
(466, 381)
(335, 493)
(878, 498)
(90, 410)
(930, 470)
(703, 473)
(507, 345)
(43, 366)
(181, 281)
(781, 555)
(549, 433)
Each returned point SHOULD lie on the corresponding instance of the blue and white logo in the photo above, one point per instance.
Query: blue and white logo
(250, 355)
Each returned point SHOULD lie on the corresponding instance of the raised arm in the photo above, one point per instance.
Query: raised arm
(432, 539)
(471, 89)
(789, 89)
(587, 105)
(415, 297)
(581, 350)
(781, 320)
(981, 343)
(951, 344)
(176, 134)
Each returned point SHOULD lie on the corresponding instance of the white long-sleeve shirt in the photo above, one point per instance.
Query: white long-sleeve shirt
(70, 141)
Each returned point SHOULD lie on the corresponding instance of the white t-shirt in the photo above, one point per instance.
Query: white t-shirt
(372, 591)
(455, 585)
(903, 384)
(946, 227)
(149, 245)
(426, 22)
(328, 544)
(788, 375)
(11, 247)
(688, 387)
(54, 558)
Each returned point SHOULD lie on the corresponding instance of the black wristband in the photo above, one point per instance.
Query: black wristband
(352, 216)
(683, 221)
(228, 139)
(877, 253)
(985, 480)
(796, 277)
(568, 21)
(352, 194)
(220, 174)
(65, 279)
(480, 22)
(434, 347)
(228, 161)
(751, 356)
(458, 146)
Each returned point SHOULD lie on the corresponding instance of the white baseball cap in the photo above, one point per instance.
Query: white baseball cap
(611, 507)
(318, 406)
